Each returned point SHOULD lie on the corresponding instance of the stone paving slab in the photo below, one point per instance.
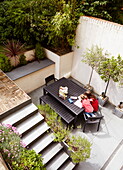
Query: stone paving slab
(10, 94)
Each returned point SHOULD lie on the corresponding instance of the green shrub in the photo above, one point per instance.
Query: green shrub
(29, 160)
(80, 148)
(5, 64)
(14, 152)
(39, 52)
(10, 143)
(55, 123)
(22, 60)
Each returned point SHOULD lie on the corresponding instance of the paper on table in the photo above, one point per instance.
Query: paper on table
(78, 103)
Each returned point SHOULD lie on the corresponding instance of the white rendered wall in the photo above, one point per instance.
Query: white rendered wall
(63, 64)
(105, 34)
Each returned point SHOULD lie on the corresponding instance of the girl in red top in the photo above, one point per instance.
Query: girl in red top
(87, 105)
(94, 103)
(93, 100)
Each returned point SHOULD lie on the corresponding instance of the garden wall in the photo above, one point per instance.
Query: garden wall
(63, 64)
(105, 34)
(34, 80)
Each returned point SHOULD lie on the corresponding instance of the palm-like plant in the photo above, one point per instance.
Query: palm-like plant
(13, 48)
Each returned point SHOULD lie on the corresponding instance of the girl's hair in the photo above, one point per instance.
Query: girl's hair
(93, 96)
(83, 96)
(88, 93)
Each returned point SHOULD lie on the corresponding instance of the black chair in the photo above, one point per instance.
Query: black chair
(93, 120)
(50, 79)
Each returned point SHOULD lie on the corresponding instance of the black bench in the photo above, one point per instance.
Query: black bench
(62, 111)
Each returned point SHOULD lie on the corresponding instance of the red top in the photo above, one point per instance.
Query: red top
(94, 103)
(87, 105)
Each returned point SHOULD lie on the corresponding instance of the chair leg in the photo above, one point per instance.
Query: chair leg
(40, 100)
(98, 126)
(84, 127)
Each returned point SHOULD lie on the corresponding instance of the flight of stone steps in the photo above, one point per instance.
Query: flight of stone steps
(31, 125)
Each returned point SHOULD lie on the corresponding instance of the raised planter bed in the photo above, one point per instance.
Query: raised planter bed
(32, 76)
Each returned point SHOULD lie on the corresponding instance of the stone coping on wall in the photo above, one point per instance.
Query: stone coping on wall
(29, 68)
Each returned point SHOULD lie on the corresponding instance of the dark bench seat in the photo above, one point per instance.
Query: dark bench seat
(62, 111)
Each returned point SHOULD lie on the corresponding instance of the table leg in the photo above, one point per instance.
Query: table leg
(44, 91)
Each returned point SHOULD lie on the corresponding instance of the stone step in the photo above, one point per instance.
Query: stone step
(29, 123)
(35, 133)
(68, 165)
(43, 142)
(55, 163)
(115, 161)
(20, 114)
(51, 151)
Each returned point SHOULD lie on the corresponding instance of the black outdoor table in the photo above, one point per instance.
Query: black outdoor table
(73, 90)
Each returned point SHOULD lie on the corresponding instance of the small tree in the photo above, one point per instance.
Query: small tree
(93, 58)
(111, 68)
(80, 148)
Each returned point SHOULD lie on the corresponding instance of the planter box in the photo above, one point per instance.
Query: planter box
(118, 112)
(102, 101)
(32, 76)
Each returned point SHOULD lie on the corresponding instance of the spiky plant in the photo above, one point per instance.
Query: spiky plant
(13, 48)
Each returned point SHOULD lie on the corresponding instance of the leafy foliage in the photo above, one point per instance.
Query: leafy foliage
(63, 26)
(80, 148)
(5, 64)
(22, 60)
(33, 20)
(55, 123)
(14, 152)
(29, 160)
(95, 8)
(39, 52)
(105, 9)
(93, 57)
(10, 143)
(111, 68)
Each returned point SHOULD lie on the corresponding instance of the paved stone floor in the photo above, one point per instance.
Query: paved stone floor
(10, 94)
(107, 143)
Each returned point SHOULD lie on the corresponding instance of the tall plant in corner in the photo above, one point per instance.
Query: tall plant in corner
(111, 68)
(93, 58)
(13, 49)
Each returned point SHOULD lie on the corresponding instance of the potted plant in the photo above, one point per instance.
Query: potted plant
(79, 148)
(93, 57)
(118, 110)
(111, 68)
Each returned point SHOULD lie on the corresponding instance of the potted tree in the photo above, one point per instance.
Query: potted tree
(118, 110)
(93, 57)
(111, 68)
(78, 148)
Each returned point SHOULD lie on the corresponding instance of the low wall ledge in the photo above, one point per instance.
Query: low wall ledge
(29, 68)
